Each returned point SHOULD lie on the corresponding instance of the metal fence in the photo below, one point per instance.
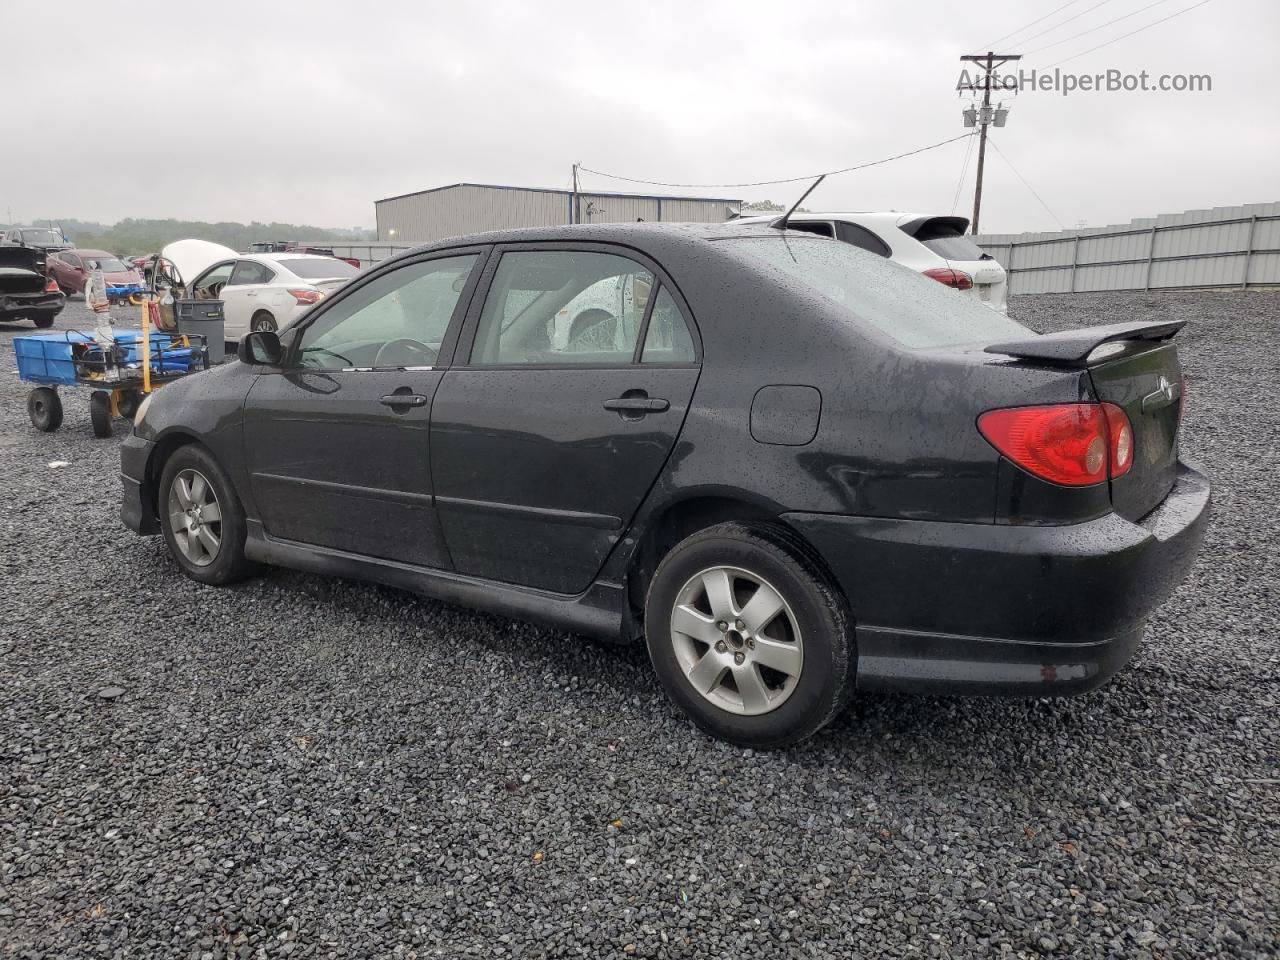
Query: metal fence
(1223, 247)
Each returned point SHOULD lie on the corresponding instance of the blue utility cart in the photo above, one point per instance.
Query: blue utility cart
(112, 370)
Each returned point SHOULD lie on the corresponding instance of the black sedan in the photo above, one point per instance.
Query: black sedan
(793, 468)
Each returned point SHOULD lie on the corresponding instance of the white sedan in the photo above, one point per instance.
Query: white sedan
(266, 291)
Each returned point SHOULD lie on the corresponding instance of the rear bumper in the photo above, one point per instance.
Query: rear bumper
(22, 304)
(136, 504)
(999, 609)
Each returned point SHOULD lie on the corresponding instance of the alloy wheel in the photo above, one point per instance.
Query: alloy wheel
(737, 640)
(195, 517)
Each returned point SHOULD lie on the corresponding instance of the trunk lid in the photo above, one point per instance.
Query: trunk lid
(21, 270)
(1147, 385)
(1136, 367)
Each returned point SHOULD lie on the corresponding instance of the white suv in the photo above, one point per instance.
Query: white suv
(934, 246)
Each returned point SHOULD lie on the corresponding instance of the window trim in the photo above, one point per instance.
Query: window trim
(471, 324)
(444, 359)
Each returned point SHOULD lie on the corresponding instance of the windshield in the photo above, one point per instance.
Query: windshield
(917, 312)
(107, 264)
(319, 268)
(42, 237)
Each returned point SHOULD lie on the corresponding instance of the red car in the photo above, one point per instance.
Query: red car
(70, 269)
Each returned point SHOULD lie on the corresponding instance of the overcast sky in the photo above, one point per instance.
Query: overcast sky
(308, 112)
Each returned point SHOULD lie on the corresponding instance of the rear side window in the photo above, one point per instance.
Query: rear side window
(562, 306)
(861, 237)
(247, 271)
(918, 312)
(667, 339)
(821, 229)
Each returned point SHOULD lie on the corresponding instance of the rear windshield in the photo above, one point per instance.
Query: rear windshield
(948, 242)
(917, 312)
(42, 237)
(319, 268)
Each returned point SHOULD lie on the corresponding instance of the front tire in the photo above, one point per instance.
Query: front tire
(749, 636)
(202, 519)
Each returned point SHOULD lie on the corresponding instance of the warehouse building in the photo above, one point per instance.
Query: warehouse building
(462, 208)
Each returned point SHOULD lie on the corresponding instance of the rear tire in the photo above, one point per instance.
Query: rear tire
(100, 413)
(263, 322)
(44, 407)
(127, 403)
(768, 657)
(43, 321)
(215, 557)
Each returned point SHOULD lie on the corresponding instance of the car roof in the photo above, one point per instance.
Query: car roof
(638, 234)
(82, 252)
(277, 257)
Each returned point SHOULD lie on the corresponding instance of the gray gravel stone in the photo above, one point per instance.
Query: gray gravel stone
(309, 767)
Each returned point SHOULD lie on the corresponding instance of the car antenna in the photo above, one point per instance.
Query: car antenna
(781, 222)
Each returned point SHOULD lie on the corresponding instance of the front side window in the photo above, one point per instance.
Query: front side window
(209, 286)
(562, 306)
(397, 320)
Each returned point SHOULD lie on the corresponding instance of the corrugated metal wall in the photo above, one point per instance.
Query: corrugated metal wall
(1222, 247)
(471, 208)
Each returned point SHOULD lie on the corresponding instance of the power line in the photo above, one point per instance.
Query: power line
(1123, 36)
(1027, 185)
(769, 183)
(1063, 23)
(990, 45)
(1098, 27)
(964, 169)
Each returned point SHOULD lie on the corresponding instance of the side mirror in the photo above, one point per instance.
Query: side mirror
(261, 349)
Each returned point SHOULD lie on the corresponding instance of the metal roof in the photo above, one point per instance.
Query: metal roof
(561, 192)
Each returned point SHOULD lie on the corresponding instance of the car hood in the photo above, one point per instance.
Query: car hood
(193, 257)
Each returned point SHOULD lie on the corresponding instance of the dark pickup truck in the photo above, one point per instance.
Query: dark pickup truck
(25, 291)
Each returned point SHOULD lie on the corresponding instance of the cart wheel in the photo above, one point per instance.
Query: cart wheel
(44, 407)
(127, 403)
(100, 413)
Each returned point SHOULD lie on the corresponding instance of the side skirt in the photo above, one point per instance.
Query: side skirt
(597, 612)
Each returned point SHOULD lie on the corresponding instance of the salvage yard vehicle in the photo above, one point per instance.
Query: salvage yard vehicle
(71, 270)
(263, 291)
(45, 239)
(25, 292)
(806, 469)
(934, 246)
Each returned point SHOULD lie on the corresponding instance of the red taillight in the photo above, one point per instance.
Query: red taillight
(51, 285)
(950, 278)
(306, 297)
(1072, 444)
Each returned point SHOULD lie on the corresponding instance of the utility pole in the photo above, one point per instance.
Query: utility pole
(575, 214)
(990, 62)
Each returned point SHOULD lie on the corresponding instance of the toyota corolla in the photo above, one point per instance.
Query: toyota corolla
(793, 468)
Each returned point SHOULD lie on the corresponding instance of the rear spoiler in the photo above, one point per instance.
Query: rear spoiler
(1072, 347)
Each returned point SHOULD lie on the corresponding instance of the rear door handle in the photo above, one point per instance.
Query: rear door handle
(403, 400)
(637, 404)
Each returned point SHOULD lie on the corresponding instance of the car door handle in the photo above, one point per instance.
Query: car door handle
(403, 400)
(637, 404)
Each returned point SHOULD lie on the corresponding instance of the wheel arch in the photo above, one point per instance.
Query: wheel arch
(166, 447)
(678, 519)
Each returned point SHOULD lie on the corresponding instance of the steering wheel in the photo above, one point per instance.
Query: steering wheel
(427, 355)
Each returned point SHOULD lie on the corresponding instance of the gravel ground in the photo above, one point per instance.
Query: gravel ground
(311, 767)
